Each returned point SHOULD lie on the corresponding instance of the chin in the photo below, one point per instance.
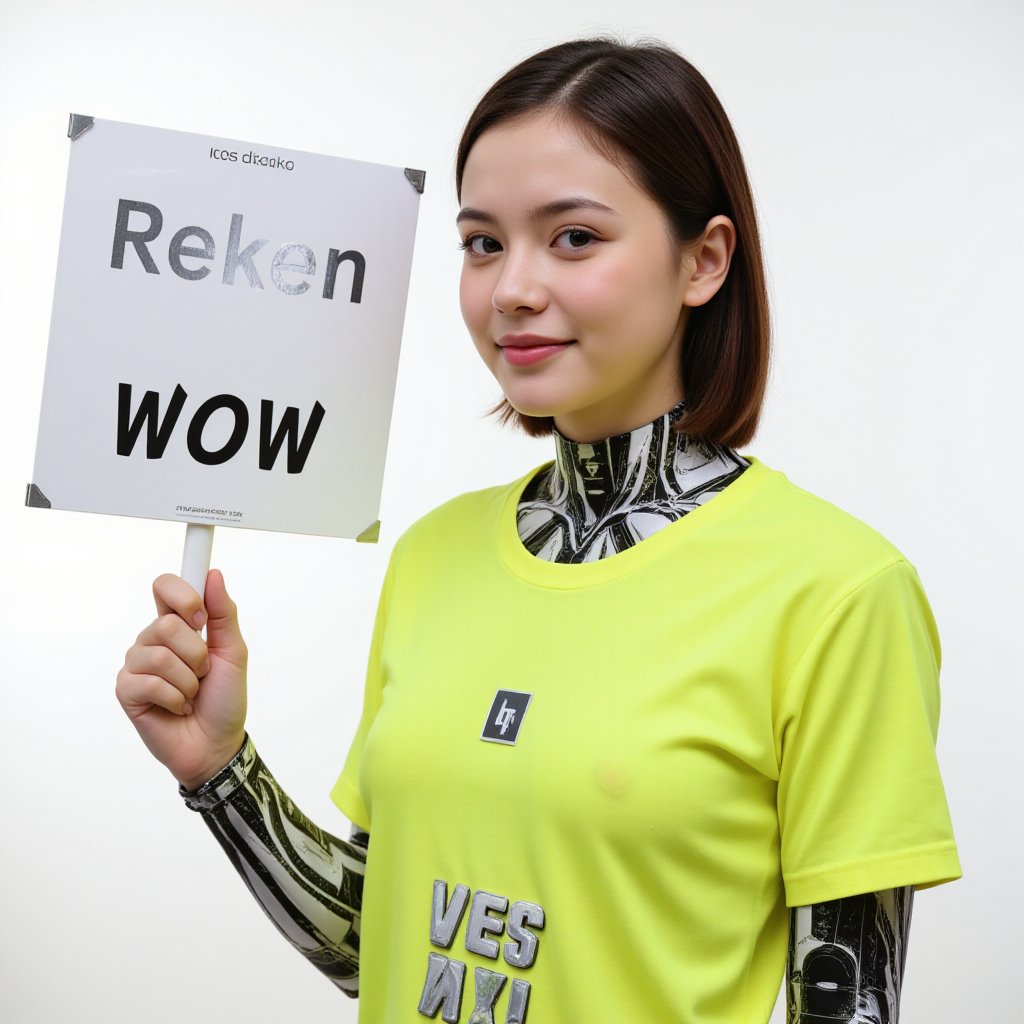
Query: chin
(532, 408)
(532, 402)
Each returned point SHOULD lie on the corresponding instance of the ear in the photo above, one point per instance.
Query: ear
(708, 259)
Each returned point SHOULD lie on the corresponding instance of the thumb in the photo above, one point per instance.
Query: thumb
(222, 633)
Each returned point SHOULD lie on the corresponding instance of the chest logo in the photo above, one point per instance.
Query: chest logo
(506, 717)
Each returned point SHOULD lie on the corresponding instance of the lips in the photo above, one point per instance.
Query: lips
(520, 350)
(530, 341)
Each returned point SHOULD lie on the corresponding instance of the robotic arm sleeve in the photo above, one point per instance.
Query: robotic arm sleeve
(308, 882)
(846, 959)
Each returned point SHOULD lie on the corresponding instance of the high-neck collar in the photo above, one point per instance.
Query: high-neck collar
(598, 498)
(594, 474)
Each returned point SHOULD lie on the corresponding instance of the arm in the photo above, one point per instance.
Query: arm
(846, 959)
(308, 882)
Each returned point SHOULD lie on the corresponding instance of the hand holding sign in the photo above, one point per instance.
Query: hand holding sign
(174, 392)
(185, 696)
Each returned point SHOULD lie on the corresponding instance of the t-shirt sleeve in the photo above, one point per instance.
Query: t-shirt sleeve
(347, 792)
(860, 800)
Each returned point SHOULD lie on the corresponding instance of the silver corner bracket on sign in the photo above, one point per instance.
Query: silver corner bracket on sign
(416, 178)
(77, 124)
(34, 498)
(371, 534)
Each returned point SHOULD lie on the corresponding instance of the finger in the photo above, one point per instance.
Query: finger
(173, 594)
(178, 636)
(223, 633)
(162, 663)
(138, 693)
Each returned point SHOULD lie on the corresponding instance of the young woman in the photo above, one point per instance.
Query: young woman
(651, 716)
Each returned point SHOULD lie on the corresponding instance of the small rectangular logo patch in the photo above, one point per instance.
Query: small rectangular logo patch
(506, 716)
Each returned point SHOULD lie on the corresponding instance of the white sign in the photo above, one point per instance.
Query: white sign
(225, 332)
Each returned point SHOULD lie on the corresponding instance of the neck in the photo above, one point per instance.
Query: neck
(597, 474)
(601, 497)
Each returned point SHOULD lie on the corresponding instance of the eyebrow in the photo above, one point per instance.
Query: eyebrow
(538, 212)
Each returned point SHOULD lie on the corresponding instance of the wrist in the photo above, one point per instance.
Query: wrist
(213, 787)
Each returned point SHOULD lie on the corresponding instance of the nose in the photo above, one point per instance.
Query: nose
(519, 287)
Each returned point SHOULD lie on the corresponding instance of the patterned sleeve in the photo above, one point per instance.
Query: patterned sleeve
(847, 958)
(308, 882)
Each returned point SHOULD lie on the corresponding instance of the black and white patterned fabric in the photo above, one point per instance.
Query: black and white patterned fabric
(309, 883)
(846, 958)
(600, 498)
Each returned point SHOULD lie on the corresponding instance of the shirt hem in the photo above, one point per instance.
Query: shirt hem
(922, 868)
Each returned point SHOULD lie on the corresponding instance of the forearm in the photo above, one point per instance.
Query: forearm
(846, 959)
(308, 882)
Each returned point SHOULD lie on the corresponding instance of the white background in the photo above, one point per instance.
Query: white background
(884, 144)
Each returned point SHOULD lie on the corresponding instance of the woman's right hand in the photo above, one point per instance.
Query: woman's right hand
(186, 696)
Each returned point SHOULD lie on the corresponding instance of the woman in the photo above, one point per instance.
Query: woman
(638, 721)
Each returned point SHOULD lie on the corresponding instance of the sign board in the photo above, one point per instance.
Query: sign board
(225, 332)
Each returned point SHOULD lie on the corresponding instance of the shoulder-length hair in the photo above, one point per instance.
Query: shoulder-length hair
(647, 108)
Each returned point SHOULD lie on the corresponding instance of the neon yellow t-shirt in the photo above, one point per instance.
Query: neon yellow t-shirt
(592, 790)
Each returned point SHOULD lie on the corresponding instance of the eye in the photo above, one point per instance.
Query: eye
(480, 245)
(577, 238)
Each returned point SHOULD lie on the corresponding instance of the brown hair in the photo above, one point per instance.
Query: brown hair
(644, 105)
